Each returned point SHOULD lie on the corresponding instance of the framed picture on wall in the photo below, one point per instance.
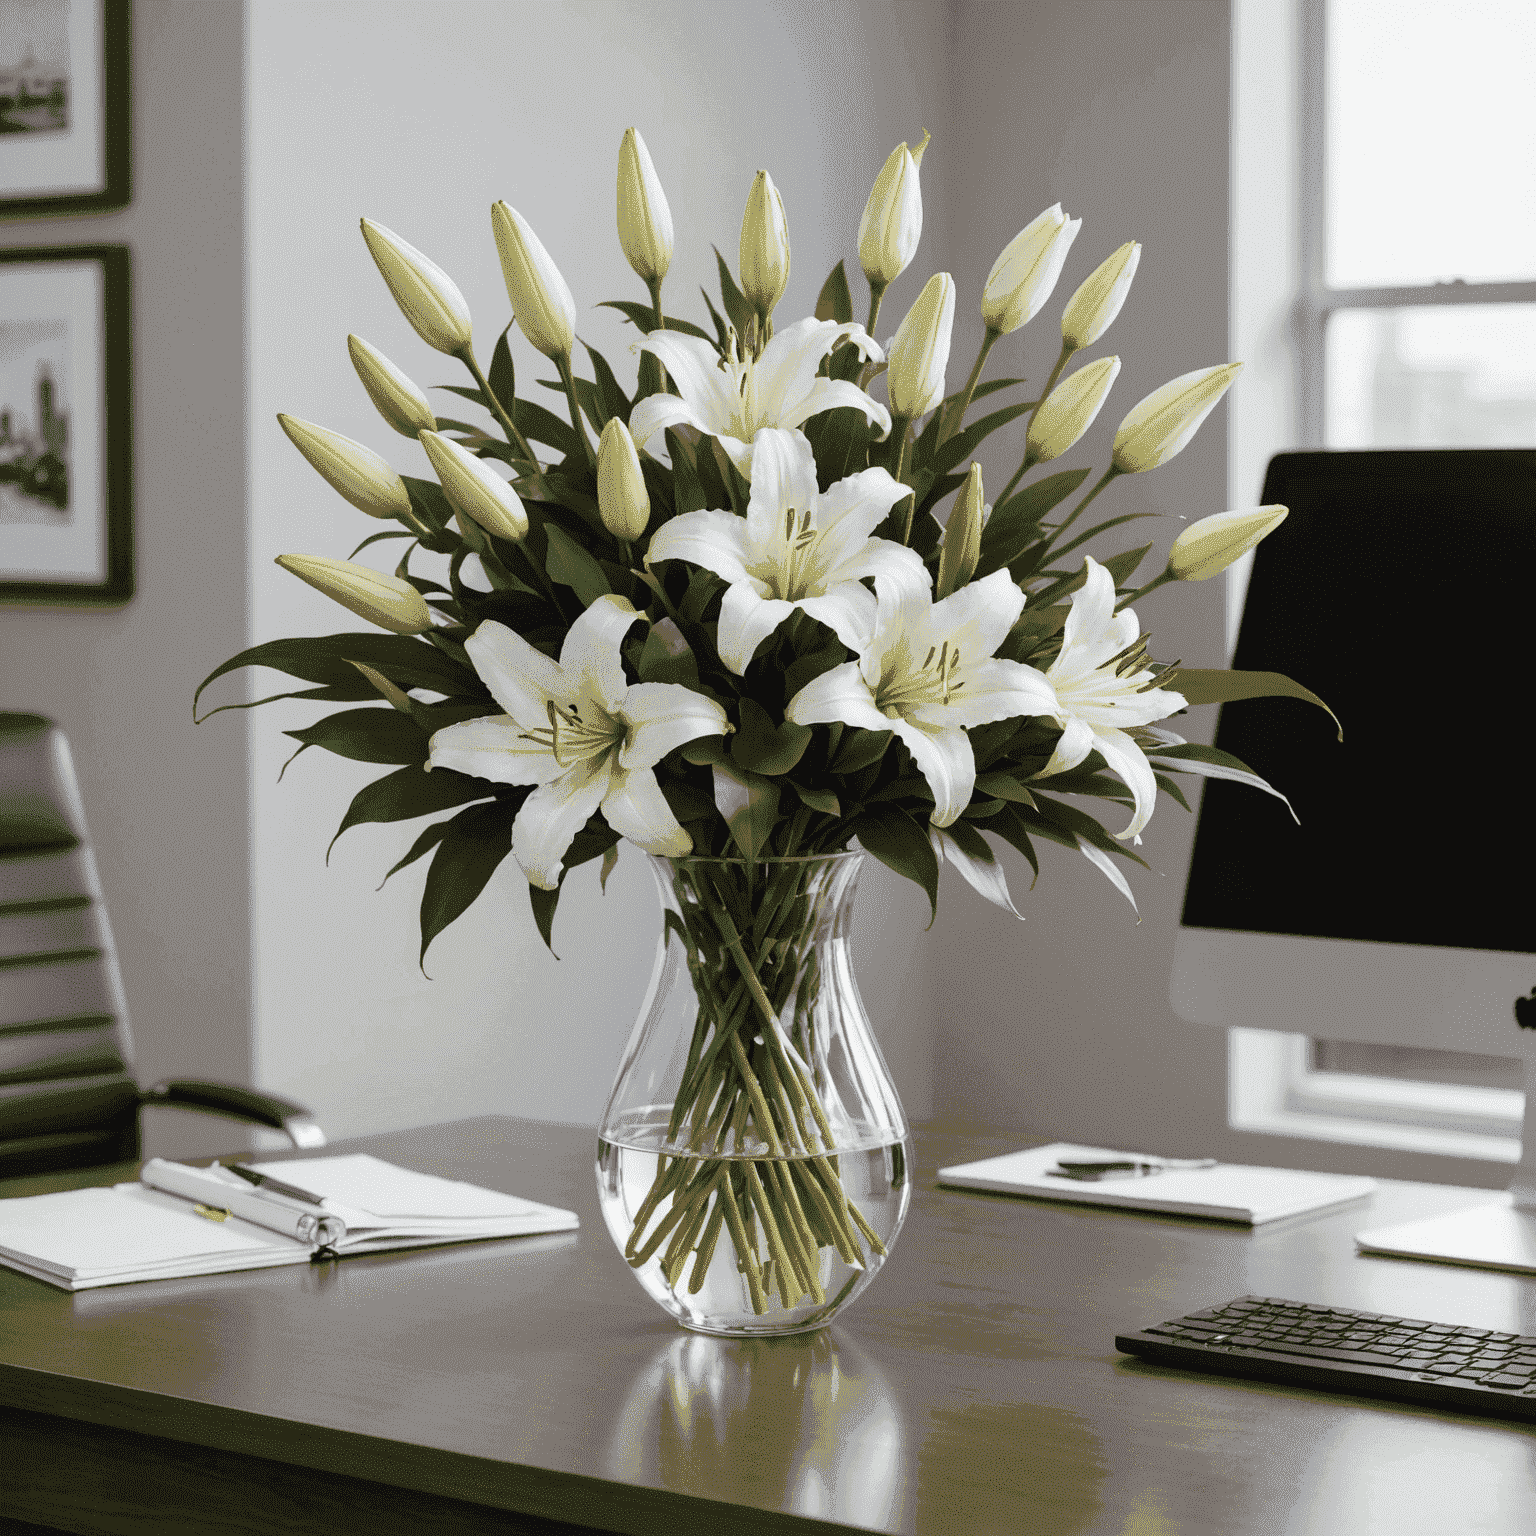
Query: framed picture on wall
(63, 106)
(66, 522)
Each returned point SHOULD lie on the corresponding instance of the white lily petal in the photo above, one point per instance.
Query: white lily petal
(839, 694)
(848, 513)
(636, 808)
(945, 759)
(493, 747)
(1129, 763)
(662, 716)
(715, 540)
(552, 815)
(829, 395)
(521, 679)
(692, 362)
(1112, 872)
(1215, 771)
(738, 452)
(790, 360)
(905, 600)
(1163, 737)
(746, 620)
(655, 413)
(1075, 744)
(988, 878)
(848, 610)
(783, 476)
(995, 690)
(590, 657)
(977, 618)
(881, 557)
(1093, 607)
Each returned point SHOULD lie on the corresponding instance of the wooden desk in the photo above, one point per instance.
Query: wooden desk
(513, 1386)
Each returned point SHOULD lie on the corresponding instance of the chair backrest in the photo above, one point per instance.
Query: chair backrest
(67, 1094)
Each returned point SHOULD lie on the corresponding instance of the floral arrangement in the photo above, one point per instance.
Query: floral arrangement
(719, 615)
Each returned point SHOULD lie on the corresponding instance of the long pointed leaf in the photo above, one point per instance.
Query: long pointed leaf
(1202, 686)
(465, 860)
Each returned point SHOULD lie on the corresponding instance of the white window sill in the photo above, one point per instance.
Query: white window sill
(1271, 1087)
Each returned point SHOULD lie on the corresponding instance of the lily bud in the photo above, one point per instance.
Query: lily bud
(623, 502)
(893, 217)
(384, 600)
(920, 352)
(425, 293)
(764, 246)
(541, 303)
(1159, 426)
(396, 397)
(1092, 309)
(1212, 544)
(1068, 411)
(475, 489)
(645, 220)
(962, 536)
(1024, 274)
(364, 477)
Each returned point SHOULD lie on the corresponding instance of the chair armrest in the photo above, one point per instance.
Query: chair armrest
(240, 1103)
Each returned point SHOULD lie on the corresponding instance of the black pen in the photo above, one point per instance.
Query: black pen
(266, 1181)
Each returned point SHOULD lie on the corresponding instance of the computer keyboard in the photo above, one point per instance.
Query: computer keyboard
(1335, 1349)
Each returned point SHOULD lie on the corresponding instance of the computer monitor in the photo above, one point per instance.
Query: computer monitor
(1400, 910)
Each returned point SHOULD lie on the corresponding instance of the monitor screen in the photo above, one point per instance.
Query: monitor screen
(1399, 590)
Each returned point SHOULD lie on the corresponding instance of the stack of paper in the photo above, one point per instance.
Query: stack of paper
(201, 1221)
(1226, 1192)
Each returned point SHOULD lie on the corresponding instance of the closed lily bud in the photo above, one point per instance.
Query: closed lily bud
(425, 293)
(1159, 426)
(764, 246)
(1069, 409)
(962, 536)
(920, 352)
(893, 217)
(364, 477)
(542, 304)
(1212, 544)
(475, 489)
(623, 502)
(645, 220)
(384, 600)
(1024, 274)
(1092, 309)
(396, 397)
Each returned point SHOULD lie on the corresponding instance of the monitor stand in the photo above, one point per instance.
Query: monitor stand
(1498, 1235)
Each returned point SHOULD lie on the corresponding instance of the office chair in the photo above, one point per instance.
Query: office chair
(68, 1098)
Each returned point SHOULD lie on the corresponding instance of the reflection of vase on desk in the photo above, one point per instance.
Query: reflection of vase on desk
(754, 1160)
(808, 1425)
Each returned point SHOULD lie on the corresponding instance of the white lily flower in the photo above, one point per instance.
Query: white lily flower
(734, 398)
(928, 673)
(1104, 689)
(796, 548)
(577, 729)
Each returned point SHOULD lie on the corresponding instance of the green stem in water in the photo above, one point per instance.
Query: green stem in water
(956, 413)
(467, 357)
(563, 363)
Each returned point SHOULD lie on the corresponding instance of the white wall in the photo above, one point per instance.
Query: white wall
(167, 800)
(420, 117)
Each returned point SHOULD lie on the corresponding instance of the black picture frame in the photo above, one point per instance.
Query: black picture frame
(65, 311)
(86, 166)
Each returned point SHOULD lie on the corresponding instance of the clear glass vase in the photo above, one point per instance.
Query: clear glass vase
(753, 1162)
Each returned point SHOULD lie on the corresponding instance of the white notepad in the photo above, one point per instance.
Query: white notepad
(81, 1238)
(1227, 1192)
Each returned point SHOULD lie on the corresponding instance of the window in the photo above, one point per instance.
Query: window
(1383, 295)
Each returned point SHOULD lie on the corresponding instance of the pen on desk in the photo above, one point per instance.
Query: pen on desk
(266, 1181)
(1127, 1168)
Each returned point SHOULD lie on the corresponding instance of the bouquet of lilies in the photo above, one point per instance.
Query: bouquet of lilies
(749, 609)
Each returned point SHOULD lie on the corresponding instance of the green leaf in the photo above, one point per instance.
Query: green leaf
(1171, 788)
(805, 669)
(373, 538)
(663, 663)
(736, 489)
(1004, 786)
(822, 800)
(686, 802)
(503, 377)
(466, 858)
(1195, 751)
(1122, 567)
(1011, 830)
(840, 440)
(544, 904)
(643, 317)
(1015, 523)
(750, 805)
(735, 301)
(423, 845)
(901, 844)
(367, 736)
(964, 444)
(573, 567)
(705, 751)
(834, 302)
(688, 490)
(411, 792)
(543, 426)
(609, 392)
(859, 749)
(762, 747)
(1098, 528)
(1201, 686)
(591, 404)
